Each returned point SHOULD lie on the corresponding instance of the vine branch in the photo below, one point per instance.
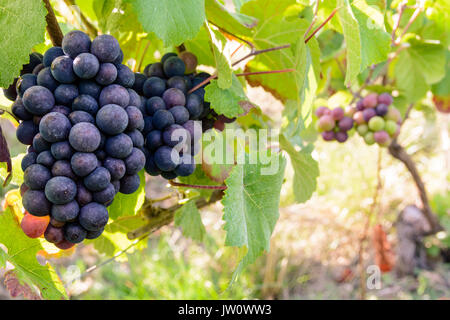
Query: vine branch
(196, 186)
(90, 29)
(53, 28)
(159, 217)
(399, 152)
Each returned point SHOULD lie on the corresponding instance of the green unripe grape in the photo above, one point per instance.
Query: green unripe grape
(390, 127)
(369, 138)
(376, 123)
(362, 129)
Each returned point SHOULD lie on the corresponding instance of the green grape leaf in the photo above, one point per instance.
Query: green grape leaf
(221, 57)
(409, 77)
(172, 21)
(21, 253)
(251, 206)
(22, 26)
(306, 171)
(226, 101)
(128, 204)
(443, 87)
(16, 177)
(235, 23)
(188, 218)
(365, 35)
(277, 30)
(429, 59)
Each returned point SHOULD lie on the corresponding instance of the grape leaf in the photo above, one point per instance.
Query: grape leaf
(365, 35)
(306, 171)
(22, 26)
(188, 218)
(276, 30)
(172, 21)
(16, 173)
(16, 288)
(128, 204)
(221, 57)
(409, 78)
(443, 87)
(21, 253)
(251, 206)
(226, 101)
(429, 59)
(235, 23)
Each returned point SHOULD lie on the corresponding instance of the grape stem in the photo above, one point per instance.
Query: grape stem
(316, 10)
(159, 217)
(89, 27)
(53, 29)
(322, 25)
(195, 186)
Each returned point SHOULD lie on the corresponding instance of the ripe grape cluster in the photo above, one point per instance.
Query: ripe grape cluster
(171, 114)
(374, 118)
(83, 122)
(334, 124)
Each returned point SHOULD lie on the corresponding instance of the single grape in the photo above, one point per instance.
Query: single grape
(162, 119)
(83, 163)
(53, 234)
(129, 184)
(119, 146)
(97, 180)
(38, 100)
(26, 81)
(66, 212)
(106, 48)
(84, 137)
(51, 54)
(154, 86)
(135, 162)
(93, 216)
(74, 232)
(34, 227)
(75, 42)
(125, 77)
(86, 65)
(36, 203)
(114, 94)
(62, 70)
(65, 94)
(107, 74)
(385, 98)
(174, 66)
(376, 123)
(112, 119)
(60, 190)
(166, 158)
(85, 103)
(45, 158)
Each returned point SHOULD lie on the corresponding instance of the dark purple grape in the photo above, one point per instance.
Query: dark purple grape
(76, 42)
(62, 70)
(107, 74)
(86, 65)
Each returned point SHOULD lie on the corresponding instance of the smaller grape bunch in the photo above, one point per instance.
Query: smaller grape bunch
(376, 119)
(83, 123)
(334, 124)
(172, 114)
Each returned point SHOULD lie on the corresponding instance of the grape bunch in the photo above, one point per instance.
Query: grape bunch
(172, 112)
(334, 124)
(83, 122)
(376, 119)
